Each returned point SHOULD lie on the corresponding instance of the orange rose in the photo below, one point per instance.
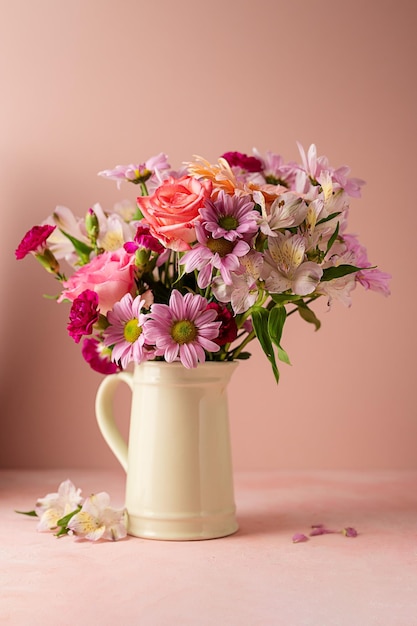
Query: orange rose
(173, 210)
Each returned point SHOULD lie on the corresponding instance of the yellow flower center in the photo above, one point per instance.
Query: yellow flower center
(228, 222)
(132, 330)
(183, 331)
(220, 245)
(112, 241)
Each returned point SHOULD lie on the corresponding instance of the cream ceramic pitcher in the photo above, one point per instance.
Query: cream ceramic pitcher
(179, 483)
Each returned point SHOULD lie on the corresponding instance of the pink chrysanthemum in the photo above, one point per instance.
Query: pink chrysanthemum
(34, 241)
(211, 253)
(125, 332)
(183, 329)
(231, 217)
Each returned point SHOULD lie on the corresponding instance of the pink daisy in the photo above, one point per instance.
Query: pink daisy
(230, 217)
(125, 331)
(210, 253)
(183, 329)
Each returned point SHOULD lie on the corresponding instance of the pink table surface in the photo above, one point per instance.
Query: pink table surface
(257, 577)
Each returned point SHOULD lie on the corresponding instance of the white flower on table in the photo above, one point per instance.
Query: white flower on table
(98, 520)
(55, 506)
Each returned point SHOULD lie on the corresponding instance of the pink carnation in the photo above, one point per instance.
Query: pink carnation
(110, 275)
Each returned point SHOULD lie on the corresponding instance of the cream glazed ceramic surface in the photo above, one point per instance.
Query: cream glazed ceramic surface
(179, 483)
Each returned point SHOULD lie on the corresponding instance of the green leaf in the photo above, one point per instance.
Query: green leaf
(260, 318)
(276, 321)
(330, 273)
(30, 513)
(64, 520)
(308, 315)
(283, 356)
(284, 298)
(332, 238)
(328, 218)
(244, 356)
(81, 248)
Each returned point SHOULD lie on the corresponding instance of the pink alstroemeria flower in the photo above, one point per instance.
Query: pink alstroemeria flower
(135, 173)
(372, 278)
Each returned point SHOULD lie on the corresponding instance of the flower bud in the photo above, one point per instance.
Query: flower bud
(91, 225)
(48, 261)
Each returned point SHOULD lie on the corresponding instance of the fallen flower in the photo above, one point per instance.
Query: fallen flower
(95, 519)
(319, 529)
(299, 537)
(98, 520)
(52, 507)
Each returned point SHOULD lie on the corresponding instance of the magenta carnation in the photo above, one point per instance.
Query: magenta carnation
(228, 328)
(248, 163)
(34, 240)
(83, 315)
(144, 239)
(98, 356)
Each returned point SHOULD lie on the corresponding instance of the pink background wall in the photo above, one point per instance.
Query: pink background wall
(87, 85)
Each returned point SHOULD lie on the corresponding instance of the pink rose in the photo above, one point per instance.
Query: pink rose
(110, 275)
(173, 210)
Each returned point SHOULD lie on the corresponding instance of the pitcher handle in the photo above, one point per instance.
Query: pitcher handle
(105, 415)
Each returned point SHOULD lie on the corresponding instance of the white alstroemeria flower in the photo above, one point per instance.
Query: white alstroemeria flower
(285, 268)
(113, 230)
(56, 505)
(243, 291)
(287, 210)
(64, 220)
(98, 520)
(338, 289)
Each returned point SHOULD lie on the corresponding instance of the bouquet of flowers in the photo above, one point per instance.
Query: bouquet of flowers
(208, 258)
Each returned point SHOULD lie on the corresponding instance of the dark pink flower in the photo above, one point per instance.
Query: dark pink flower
(97, 356)
(83, 315)
(144, 239)
(349, 532)
(34, 241)
(228, 329)
(245, 162)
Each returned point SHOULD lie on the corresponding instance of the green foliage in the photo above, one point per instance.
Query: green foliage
(81, 248)
(338, 271)
(308, 314)
(268, 325)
